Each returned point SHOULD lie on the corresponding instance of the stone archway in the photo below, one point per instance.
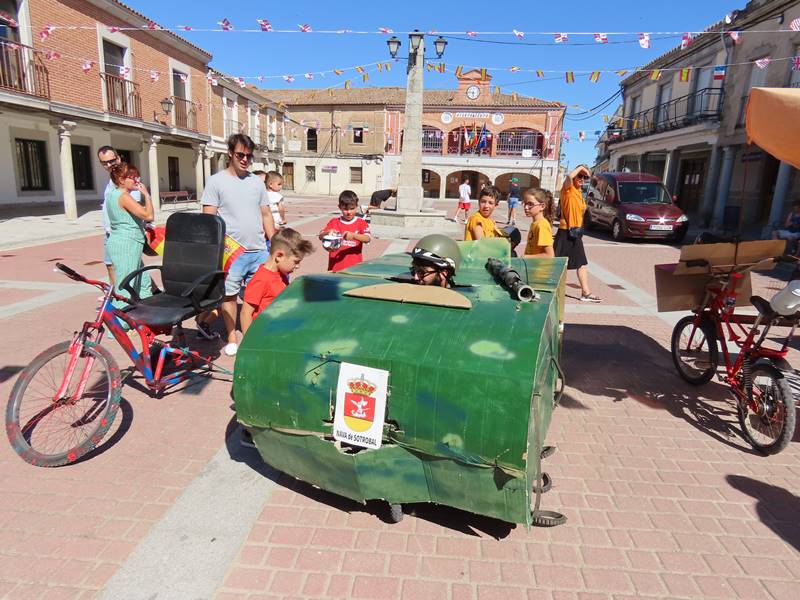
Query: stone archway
(524, 181)
(476, 181)
(431, 183)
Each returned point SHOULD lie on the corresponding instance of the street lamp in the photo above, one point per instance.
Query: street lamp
(394, 46)
(166, 105)
(440, 45)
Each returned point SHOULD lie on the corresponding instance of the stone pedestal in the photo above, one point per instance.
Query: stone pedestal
(411, 224)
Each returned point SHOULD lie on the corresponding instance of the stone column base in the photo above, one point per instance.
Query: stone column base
(411, 225)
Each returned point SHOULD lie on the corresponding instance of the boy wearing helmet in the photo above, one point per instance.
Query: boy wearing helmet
(435, 260)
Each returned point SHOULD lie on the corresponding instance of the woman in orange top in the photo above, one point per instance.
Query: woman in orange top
(569, 239)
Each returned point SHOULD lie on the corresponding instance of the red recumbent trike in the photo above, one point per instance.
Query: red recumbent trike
(66, 399)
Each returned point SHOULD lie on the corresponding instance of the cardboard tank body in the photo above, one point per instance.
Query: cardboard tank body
(471, 385)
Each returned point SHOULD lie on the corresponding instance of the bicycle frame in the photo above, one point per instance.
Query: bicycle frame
(150, 366)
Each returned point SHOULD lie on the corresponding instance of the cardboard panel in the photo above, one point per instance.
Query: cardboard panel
(726, 255)
(675, 291)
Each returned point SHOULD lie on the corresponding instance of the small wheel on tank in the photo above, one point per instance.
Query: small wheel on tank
(547, 483)
(395, 512)
(547, 518)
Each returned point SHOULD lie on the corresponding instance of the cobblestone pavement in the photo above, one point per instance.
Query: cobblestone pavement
(663, 497)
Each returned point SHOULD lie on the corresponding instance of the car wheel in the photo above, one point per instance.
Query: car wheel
(678, 237)
(616, 231)
(587, 220)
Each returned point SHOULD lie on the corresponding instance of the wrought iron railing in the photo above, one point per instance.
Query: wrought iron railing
(122, 96)
(232, 126)
(432, 141)
(185, 113)
(22, 70)
(520, 143)
(702, 105)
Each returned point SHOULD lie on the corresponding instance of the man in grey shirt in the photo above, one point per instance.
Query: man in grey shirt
(240, 198)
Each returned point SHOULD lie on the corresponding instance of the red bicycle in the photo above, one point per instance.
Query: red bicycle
(757, 374)
(66, 399)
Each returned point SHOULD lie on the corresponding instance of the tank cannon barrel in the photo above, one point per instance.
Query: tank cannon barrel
(510, 280)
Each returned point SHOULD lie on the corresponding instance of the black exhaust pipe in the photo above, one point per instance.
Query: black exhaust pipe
(510, 280)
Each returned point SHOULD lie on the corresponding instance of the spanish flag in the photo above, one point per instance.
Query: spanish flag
(685, 74)
(360, 69)
(459, 70)
(655, 75)
(594, 77)
(570, 76)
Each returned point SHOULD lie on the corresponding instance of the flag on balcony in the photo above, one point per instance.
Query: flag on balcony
(87, 65)
(264, 24)
(734, 36)
(655, 74)
(518, 34)
(347, 84)
(154, 75)
(305, 27)
(483, 142)
(45, 33)
(570, 76)
(472, 34)
(225, 25)
(338, 71)
(124, 71)
(385, 30)
(560, 38)
(594, 77)
(644, 40)
(361, 69)
(719, 72)
(686, 40)
(513, 69)
(539, 73)
(601, 38)
(288, 78)
(795, 25)
(685, 73)
(459, 70)
(763, 63)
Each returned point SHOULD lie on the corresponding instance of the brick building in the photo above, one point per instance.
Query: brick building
(111, 80)
(352, 138)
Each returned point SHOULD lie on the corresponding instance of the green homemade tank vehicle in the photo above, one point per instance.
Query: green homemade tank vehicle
(469, 377)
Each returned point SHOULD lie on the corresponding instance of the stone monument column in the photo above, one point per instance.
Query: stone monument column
(409, 188)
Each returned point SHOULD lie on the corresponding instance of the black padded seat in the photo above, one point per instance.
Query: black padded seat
(193, 280)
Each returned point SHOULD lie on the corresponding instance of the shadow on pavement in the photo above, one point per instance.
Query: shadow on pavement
(445, 516)
(125, 418)
(777, 507)
(9, 371)
(625, 364)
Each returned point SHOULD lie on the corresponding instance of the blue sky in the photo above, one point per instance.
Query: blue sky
(250, 54)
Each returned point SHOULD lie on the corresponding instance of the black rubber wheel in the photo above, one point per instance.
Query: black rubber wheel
(678, 237)
(616, 231)
(547, 518)
(768, 420)
(395, 513)
(696, 364)
(49, 432)
(547, 483)
(587, 221)
(547, 451)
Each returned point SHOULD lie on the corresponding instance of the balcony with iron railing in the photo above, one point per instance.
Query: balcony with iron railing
(185, 113)
(701, 106)
(231, 126)
(22, 70)
(122, 96)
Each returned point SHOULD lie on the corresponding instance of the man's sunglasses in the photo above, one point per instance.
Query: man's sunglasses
(243, 155)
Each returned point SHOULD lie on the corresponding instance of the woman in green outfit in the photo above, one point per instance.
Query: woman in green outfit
(127, 217)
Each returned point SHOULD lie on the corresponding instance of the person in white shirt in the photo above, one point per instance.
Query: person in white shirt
(464, 193)
(109, 159)
(274, 182)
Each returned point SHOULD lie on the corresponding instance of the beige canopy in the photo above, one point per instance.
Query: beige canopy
(773, 122)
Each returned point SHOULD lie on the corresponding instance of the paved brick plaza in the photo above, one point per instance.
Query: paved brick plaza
(664, 499)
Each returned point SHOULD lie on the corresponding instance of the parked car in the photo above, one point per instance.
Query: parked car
(634, 205)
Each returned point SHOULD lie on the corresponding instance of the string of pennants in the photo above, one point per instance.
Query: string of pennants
(264, 25)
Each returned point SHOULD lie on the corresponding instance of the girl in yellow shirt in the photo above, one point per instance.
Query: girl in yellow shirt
(540, 237)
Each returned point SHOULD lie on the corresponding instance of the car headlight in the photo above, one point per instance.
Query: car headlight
(632, 217)
(682, 219)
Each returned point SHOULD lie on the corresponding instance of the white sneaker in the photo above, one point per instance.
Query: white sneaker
(230, 349)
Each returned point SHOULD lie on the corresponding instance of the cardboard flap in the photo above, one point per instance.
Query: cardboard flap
(413, 294)
(720, 256)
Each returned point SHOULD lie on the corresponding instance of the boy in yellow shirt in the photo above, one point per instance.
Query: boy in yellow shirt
(480, 225)
(540, 237)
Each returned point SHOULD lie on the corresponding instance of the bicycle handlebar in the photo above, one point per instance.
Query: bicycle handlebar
(69, 272)
(74, 275)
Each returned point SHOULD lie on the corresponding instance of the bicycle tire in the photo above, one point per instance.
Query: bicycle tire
(86, 429)
(708, 344)
(547, 518)
(776, 418)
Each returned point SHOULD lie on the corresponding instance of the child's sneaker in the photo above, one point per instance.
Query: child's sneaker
(204, 331)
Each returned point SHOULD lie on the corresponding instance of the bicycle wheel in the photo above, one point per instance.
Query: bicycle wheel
(696, 363)
(768, 418)
(47, 431)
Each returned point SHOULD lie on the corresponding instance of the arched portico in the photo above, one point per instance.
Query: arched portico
(431, 184)
(476, 180)
(523, 180)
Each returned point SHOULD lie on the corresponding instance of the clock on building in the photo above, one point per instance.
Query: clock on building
(473, 92)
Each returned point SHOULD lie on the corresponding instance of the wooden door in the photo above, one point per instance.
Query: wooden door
(690, 188)
(174, 173)
(288, 176)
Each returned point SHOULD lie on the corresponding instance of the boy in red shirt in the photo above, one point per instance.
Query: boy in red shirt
(287, 249)
(345, 236)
